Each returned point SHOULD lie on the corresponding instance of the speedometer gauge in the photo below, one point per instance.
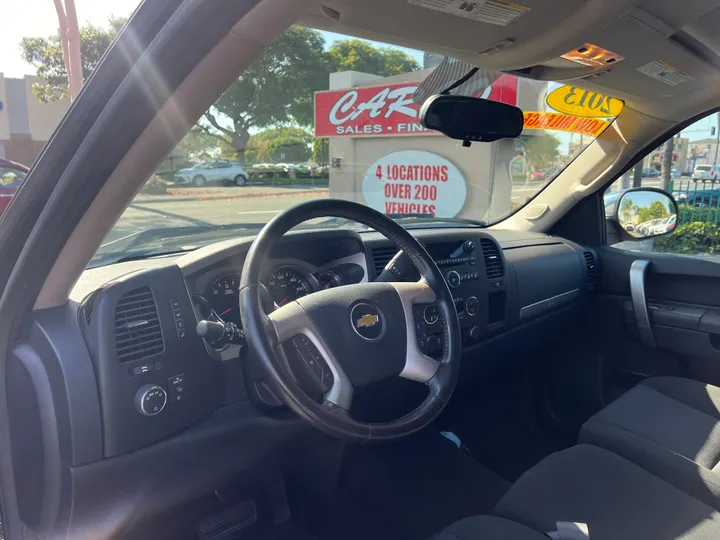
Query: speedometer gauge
(288, 283)
(225, 298)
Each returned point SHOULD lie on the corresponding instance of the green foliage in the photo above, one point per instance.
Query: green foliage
(45, 55)
(656, 210)
(278, 87)
(286, 144)
(359, 55)
(321, 151)
(698, 238)
(154, 186)
(541, 151)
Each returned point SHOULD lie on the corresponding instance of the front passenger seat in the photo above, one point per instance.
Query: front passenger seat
(670, 426)
(615, 498)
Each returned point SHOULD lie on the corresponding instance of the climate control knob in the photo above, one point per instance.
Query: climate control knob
(150, 400)
(472, 306)
(453, 279)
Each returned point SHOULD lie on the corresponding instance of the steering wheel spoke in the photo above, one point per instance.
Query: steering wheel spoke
(418, 366)
(291, 322)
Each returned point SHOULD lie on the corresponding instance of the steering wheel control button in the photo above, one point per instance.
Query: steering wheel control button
(453, 279)
(367, 321)
(150, 400)
(472, 306)
(431, 314)
(316, 367)
(176, 388)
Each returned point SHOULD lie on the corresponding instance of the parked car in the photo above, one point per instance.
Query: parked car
(12, 175)
(705, 172)
(702, 198)
(216, 170)
(675, 173)
(650, 172)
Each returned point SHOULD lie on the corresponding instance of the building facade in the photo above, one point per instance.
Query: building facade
(26, 124)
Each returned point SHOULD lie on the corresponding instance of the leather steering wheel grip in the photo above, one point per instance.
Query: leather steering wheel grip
(262, 337)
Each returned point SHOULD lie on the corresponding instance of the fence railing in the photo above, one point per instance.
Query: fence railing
(697, 201)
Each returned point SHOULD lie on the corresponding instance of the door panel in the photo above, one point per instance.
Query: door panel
(682, 297)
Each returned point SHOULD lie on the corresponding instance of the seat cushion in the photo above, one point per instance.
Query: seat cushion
(616, 499)
(488, 528)
(671, 427)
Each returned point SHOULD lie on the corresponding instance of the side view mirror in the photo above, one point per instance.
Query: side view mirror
(641, 213)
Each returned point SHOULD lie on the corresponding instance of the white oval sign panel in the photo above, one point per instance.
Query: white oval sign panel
(414, 182)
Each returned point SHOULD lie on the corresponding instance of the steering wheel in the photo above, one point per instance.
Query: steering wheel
(355, 334)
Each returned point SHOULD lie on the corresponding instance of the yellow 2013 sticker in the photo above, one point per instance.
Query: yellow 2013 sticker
(581, 102)
(565, 122)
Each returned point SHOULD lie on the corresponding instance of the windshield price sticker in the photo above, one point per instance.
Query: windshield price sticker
(581, 102)
(414, 182)
(592, 127)
(385, 110)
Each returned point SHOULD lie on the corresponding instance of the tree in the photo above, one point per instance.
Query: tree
(321, 151)
(277, 88)
(656, 210)
(288, 144)
(46, 56)
(626, 209)
(541, 151)
(359, 55)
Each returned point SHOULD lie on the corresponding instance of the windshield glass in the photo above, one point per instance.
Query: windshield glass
(322, 115)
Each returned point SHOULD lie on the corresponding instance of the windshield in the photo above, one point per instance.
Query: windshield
(322, 115)
(702, 168)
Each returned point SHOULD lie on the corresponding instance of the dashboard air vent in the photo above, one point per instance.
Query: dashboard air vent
(493, 259)
(137, 326)
(381, 256)
(591, 267)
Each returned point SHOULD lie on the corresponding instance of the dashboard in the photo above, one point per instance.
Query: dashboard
(136, 395)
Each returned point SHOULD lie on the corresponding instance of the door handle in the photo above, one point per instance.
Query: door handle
(638, 270)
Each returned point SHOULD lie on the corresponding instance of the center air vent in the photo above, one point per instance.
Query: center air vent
(493, 259)
(591, 267)
(137, 326)
(381, 256)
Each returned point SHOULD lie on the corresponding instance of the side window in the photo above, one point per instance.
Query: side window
(687, 167)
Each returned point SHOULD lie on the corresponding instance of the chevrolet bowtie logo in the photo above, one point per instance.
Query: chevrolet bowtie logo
(367, 320)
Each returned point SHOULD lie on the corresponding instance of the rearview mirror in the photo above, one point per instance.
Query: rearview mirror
(471, 119)
(645, 213)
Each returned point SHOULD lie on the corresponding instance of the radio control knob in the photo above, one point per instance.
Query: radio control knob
(472, 305)
(150, 400)
(469, 246)
(453, 279)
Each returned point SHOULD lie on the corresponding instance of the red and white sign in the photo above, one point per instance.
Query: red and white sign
(385, 110)
(414, 182)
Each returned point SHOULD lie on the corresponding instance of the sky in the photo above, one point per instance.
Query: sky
(38, 18)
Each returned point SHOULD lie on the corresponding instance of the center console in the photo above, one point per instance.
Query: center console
(475, 272)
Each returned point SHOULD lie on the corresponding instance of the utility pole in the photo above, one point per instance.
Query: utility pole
(667, 156)
(637, 174)
(70, 42)
(717, 139)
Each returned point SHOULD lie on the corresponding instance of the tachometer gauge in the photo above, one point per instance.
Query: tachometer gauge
(288, 283)
(225, 298)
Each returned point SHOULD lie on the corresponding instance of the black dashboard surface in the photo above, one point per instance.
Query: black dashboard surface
(142, 384)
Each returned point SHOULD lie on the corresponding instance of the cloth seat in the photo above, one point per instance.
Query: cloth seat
(669, 426)
(616, 499)
(488, 528)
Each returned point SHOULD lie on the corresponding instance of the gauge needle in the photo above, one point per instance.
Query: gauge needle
(228, 310)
